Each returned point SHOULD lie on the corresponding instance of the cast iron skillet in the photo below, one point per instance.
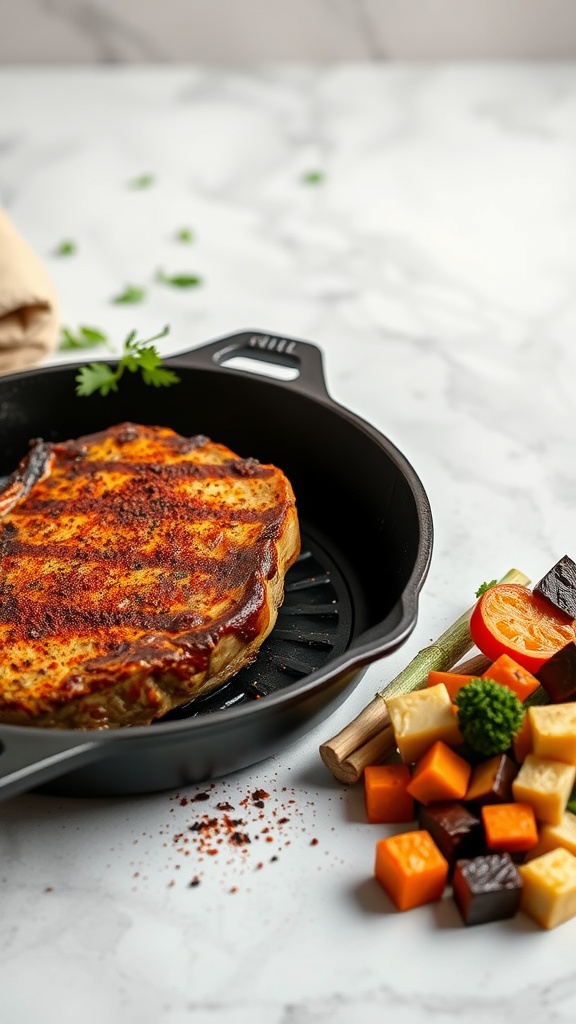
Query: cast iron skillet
(350, 598)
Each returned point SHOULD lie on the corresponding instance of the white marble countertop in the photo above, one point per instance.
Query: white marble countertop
(435, 265)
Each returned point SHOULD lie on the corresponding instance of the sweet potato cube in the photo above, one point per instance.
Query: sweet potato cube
(411, 869)
(550, 837)
(549, 887)
(522, 742)
(422, 717)
(509, 673)
(546, 784)
(509, 828)
(440, 774)
(491, 781)
(385, 792)
(554, 731)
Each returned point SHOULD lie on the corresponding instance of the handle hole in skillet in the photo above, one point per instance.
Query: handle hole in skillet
(251, 364)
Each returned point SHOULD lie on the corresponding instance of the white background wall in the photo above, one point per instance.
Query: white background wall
(217, 31)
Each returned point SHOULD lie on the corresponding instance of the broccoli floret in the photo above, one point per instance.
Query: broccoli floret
(489, 714)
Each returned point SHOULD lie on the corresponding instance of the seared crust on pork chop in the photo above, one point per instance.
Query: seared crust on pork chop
(139, 569)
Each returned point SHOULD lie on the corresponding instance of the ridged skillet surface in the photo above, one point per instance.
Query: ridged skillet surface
(367, 530)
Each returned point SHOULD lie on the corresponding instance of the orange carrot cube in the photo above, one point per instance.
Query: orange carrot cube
(386, 796)
(522, 741)
(411, 869)
(452, 681)
(510, 828)
(509, 673)
(440, 774)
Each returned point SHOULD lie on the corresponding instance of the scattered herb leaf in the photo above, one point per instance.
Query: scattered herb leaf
(484, 587)
(132, 293)
(137, 356)
(186, 235)
(313, 177)
(179, 280)
(85, 337)
(142, 181)
(66, 248)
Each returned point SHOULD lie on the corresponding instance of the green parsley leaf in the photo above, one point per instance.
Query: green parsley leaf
(314, 177)
(137, 356)
(484, 587)
(132, 293)
(85, 337)
(186, 235)
(142, 181)
(179, 280)
(66, 248)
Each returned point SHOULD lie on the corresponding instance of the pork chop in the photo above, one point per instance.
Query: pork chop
(139, 569)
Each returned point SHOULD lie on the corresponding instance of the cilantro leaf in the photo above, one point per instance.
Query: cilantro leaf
(142, 181)
(132, 293)
(85, 337)
(314, 177)
(179, 280)
(185, 235)
(137, 356)
(96, 377)
(66, 248)
(484, 587)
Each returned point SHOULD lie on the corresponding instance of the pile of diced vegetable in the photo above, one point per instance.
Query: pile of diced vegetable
(485, 769)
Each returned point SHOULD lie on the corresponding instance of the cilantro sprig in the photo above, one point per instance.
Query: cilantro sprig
(137, 357)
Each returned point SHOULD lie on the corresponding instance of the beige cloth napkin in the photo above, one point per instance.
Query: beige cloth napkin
(29, 317)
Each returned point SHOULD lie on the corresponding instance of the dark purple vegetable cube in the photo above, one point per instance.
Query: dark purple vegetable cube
(558, 675)
(456, 831)
(491, 781)
(559, 586)
(487, 888)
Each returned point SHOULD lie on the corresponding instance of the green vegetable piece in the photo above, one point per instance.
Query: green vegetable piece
(484, 587)
(314, 177)
(179, 280)
(186, 235)
(137, 356)
(142, 181)
(131, 294)
(66, 248)
(489, 715)
(86, 337)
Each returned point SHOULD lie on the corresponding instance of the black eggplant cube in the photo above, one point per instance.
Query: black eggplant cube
(487, 888)
(558, 586)
(456, 831)
(558, 675)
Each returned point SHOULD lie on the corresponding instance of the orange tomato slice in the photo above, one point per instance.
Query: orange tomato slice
(511, 619)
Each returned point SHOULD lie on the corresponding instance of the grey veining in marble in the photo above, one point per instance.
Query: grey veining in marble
(434, 263)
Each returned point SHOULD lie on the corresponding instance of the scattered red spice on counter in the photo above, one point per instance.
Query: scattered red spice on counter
(223, 840)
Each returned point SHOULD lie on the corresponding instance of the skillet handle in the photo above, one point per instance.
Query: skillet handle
(304, 358)
(30, 757)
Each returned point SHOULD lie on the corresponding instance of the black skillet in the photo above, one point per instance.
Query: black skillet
(350, 598)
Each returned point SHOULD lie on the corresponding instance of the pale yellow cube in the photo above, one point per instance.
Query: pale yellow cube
(549, 888)
(546, 785)
(421, 718)
(550, 837)
(553, 728)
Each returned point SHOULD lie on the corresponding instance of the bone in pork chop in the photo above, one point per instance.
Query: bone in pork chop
(139, 569)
